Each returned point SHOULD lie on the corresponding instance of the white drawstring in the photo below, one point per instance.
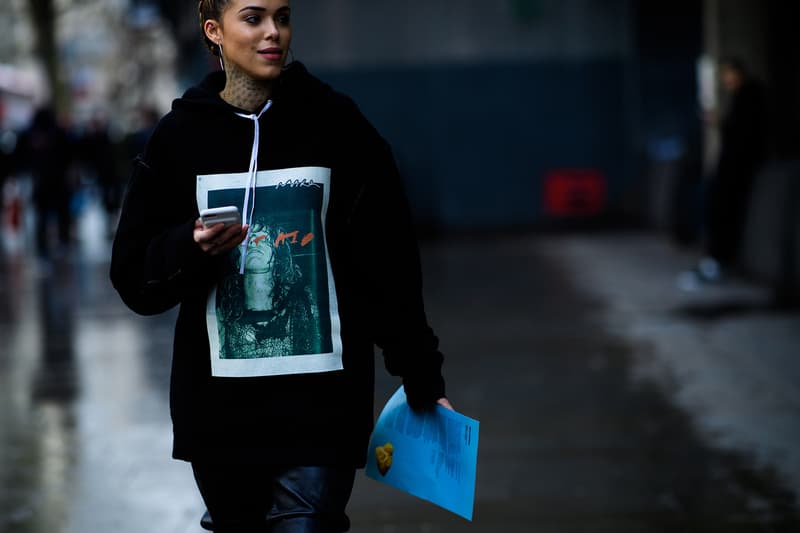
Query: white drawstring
(249, 207)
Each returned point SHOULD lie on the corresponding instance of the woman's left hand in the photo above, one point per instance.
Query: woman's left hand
(445, 403)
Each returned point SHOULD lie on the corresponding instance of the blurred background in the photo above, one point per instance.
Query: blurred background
(607, 194)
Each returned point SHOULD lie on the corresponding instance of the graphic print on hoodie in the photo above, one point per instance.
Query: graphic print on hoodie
(274, 309)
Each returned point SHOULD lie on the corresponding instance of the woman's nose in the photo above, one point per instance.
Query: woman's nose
(271, 31)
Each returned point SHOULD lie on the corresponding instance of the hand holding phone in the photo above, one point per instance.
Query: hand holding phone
(219, 230)
(221, 215)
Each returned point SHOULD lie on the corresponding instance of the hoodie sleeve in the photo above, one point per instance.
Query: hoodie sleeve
(390, 264)
(154, 259)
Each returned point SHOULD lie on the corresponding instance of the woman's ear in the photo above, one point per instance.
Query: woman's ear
(213, 31)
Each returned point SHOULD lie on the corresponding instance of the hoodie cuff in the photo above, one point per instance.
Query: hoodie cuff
(422, 392)
(419, 362)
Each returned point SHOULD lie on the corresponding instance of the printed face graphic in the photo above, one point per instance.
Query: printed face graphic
(278, 314)
(259, 271)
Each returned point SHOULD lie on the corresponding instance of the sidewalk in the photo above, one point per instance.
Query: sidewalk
(609, 401)
(602, 392)
(722, 352)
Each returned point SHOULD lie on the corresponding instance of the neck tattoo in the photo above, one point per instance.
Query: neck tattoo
(244, 92)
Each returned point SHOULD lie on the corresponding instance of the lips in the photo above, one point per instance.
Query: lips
(273, 54)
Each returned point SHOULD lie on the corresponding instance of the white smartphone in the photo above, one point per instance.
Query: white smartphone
(221, 215)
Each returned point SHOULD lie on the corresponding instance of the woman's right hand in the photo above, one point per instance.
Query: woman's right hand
(219, 238)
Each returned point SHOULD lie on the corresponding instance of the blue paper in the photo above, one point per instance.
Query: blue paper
(432, 455)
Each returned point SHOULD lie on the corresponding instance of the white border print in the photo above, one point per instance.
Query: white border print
(281, 316)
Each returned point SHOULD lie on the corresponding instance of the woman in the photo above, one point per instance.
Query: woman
(272, 374)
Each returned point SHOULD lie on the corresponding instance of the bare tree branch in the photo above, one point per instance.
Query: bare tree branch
(43, 17)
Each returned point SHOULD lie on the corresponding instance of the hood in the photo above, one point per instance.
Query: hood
(294, 86)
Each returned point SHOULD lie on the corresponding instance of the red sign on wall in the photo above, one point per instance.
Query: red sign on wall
(575, 192)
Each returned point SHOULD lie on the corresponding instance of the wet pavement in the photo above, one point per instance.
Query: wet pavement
(609, 400)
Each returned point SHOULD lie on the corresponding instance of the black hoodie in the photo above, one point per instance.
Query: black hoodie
(368, 253)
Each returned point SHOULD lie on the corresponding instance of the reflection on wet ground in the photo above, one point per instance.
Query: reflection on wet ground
(83, 389)
(570, 441)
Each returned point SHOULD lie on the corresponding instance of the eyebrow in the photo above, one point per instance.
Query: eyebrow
(259, 8)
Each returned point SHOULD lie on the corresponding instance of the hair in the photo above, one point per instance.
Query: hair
(210, 10)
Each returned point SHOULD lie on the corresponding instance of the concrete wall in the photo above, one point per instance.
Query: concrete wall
(481, 99)
(663, 121)
(475, 142)
(771, 248)
(348, 34)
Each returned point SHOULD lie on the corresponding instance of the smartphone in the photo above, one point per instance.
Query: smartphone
(221, 215)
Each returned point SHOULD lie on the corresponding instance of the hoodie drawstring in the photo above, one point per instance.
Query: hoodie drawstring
(249, 206)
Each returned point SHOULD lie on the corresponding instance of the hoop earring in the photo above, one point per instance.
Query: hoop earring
(290, 60)
(221, 64)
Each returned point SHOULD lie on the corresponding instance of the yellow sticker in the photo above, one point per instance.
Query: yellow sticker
(383, 456)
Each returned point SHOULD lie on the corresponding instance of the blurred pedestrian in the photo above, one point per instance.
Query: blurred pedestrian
(273, 365)
(743, 152)
(97, 153)
(9, 200)
(45, 149)
(7, 143)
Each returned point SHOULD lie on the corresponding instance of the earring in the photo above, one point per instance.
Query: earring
(221, 64)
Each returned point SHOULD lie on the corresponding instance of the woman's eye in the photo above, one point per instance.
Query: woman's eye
(252, 19)
(283, 20)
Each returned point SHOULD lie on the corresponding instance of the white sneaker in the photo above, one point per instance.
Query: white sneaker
(709, 269)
